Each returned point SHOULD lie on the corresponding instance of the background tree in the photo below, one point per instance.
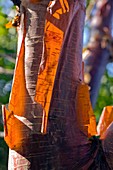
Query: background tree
(99, 50)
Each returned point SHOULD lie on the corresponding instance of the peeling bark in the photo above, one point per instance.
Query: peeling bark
(64, 145)
(23, 91)
(69, 114)
(58, 149)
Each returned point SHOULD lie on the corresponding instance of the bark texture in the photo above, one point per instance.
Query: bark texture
(23, 91)
(98, 52)
(57, 93)
(58, 148)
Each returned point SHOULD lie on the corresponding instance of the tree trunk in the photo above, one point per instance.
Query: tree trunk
(63, 144)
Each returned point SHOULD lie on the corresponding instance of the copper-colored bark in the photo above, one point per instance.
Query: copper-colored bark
(58, 148)
(85, 116)
(64, 144)
(105, 120)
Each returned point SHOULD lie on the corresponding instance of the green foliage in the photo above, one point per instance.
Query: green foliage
(8, 43)
(3, 155)
(105, 97)
(7, 55)
(88, 2)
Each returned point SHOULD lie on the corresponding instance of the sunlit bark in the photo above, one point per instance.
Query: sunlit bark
(30, 49)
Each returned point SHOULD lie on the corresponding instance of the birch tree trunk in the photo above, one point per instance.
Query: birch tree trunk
(64, 145)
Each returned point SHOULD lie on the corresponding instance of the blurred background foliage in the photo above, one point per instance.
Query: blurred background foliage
(105, 96)
(8, 46)
(8, 43)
